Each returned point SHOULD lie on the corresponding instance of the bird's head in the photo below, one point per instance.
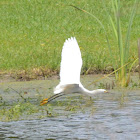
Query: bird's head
(97, 91)
(101, 91)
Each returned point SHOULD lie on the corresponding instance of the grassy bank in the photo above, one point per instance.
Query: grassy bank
(32, 34)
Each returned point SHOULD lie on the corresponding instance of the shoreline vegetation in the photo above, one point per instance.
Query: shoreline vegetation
(32, 34)
(38, 74)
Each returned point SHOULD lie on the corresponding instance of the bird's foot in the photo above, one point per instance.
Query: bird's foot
(44, 101)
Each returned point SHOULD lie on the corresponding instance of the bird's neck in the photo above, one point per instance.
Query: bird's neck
(88, 92)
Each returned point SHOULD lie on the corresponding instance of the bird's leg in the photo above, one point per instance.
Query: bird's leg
(47, 100)
(56, 96)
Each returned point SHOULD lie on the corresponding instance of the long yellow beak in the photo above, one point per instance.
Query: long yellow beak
(106, 91)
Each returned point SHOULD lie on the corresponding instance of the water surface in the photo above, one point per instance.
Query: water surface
(114, 116)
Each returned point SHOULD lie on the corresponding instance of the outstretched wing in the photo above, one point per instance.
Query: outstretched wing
(71, 62)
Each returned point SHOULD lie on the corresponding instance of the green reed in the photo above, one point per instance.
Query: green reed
(122, 62)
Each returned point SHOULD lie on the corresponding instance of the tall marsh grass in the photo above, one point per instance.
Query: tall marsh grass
(124, 58)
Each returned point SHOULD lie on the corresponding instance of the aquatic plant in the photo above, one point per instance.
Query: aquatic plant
(123, 45)
(23, 110)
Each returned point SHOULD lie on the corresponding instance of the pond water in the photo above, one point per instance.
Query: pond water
(114, 116)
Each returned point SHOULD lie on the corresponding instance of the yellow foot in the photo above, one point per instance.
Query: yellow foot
(44, 101)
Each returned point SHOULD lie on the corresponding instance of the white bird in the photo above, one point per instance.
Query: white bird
(71, 63)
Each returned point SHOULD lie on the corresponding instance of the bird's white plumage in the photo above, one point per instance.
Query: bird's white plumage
(71, 63)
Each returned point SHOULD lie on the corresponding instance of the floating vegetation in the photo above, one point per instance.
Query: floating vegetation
(23, 110)
(26, 109)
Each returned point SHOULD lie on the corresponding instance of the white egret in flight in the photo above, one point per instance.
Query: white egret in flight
(71, 63)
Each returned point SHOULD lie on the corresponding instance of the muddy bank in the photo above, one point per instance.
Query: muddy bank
(42, 74)
(27, 75)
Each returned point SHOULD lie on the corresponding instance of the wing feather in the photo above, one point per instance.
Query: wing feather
(71, 62)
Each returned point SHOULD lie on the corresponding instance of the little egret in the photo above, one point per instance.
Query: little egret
(71, 63)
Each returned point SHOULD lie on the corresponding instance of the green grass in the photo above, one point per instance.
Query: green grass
(32, 33)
